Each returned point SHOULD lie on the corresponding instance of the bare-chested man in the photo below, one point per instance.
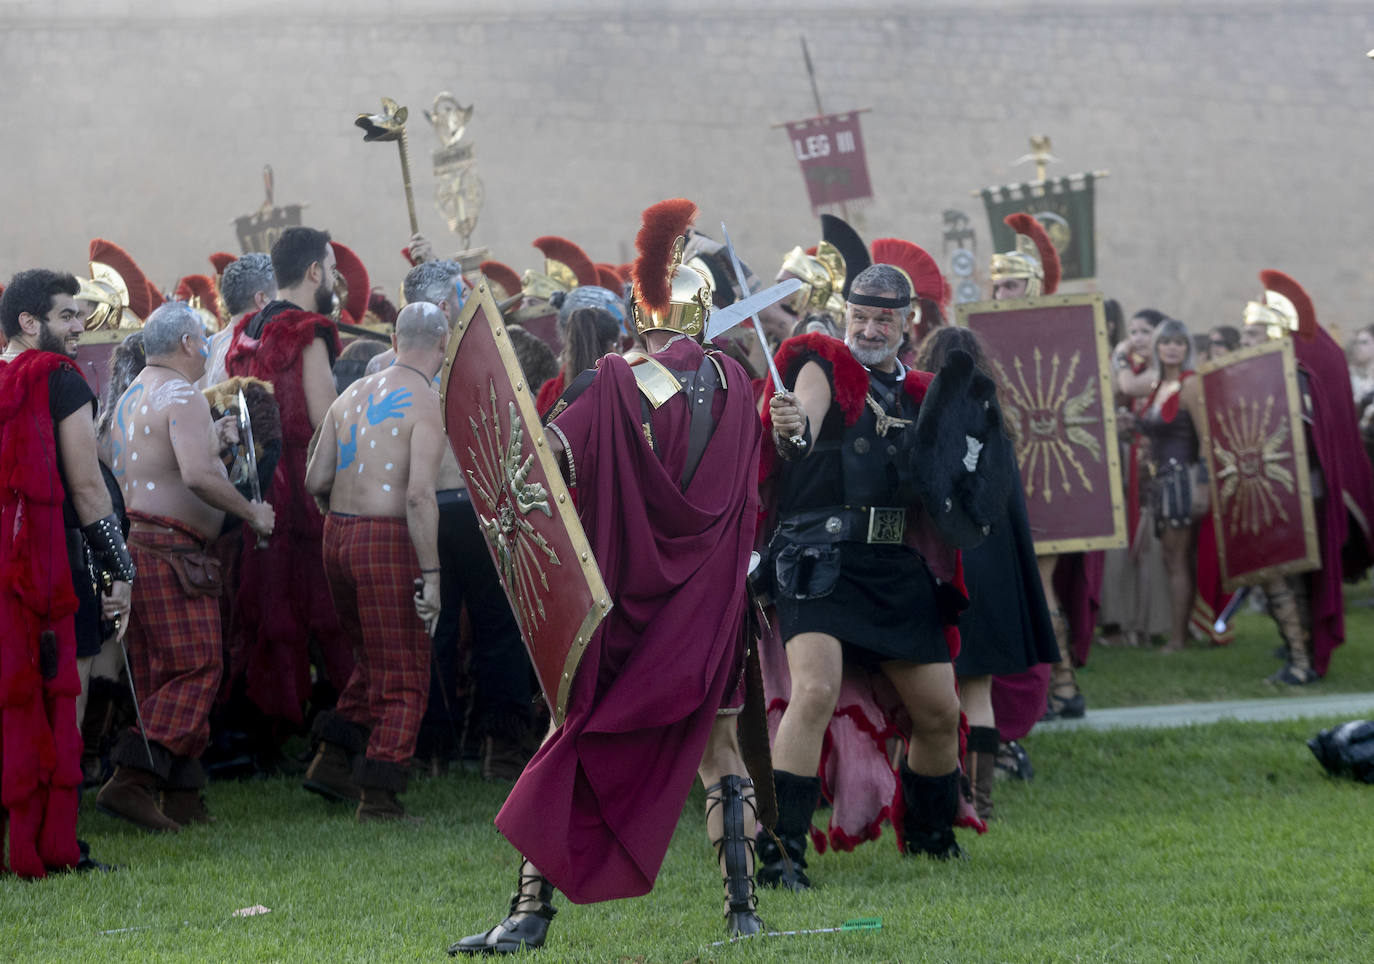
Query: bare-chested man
(376, 463)
(177, 493)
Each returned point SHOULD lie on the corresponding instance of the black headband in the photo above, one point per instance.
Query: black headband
(877, 301)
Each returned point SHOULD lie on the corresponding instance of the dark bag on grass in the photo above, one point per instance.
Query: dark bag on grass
(1346, 750)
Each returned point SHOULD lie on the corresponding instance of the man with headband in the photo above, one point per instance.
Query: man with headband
(850, 587)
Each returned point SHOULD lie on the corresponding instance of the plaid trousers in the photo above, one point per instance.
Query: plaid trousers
(371, 567)
(173, 640)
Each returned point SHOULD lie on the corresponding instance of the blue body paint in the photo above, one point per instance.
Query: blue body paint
(348, 451)
(125, 406)
(389, 407)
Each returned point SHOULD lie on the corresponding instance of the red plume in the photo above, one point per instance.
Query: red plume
(561, 249)
(813, 249)
(609, 277)
(155, 299)
(1282, 284)
(920, 267)
(1049, 258)
(221, 260)
(626, 270)
(198, 286)
(141, 300)
(359, 290)
(503, 275)
(663, 224)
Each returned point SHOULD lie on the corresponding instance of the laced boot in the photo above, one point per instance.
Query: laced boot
(785, 866)
(380, 782)
(1066, 699)
(1287, 608)
(981, 768)
(339, 743)
(526, 925)
(931, 806)
(731, 798)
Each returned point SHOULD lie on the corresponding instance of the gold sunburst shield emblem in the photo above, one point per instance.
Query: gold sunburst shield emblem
(1049, 355)
(1256, 450)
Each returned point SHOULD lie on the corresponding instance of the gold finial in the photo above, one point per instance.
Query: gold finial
(390, 125)
(1039, 153)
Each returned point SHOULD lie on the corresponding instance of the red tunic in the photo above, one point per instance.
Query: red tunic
(40, 745)
(283, 596)
(597, 805)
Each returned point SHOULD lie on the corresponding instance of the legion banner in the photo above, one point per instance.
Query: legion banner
(1050, 358)
(1064, 206)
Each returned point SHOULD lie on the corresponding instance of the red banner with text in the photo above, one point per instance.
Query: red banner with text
(830, 150)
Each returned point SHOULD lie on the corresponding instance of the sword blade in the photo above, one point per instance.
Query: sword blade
(133, 694)
(250, 454)
(758, 328)
(723, 319)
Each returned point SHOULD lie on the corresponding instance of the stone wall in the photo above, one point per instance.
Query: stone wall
(1238, 135)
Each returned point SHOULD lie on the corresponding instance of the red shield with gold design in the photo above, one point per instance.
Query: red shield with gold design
(536, 541)
(1256, 452)
(1049, 355)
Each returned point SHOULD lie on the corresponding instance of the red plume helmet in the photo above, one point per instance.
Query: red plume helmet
(668, 295)
(200, 287)
(140, 291)
(609, 277)
(355, 276)
(221, 260)
(503, 276)
(1282, 284)
(1025, 224)
(566, 253)
(916, 263)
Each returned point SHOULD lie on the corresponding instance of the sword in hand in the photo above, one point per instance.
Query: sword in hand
(795, 438)
(250, 459)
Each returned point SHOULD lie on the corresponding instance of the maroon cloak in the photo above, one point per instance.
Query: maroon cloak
(40, 745)
(596, 807)
(283, 598)
(1343, 526)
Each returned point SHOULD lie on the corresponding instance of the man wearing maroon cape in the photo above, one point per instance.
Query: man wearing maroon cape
(661, 451)
(283, 598)
(1308, 607)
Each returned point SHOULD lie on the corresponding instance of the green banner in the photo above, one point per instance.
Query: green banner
(1064, 206)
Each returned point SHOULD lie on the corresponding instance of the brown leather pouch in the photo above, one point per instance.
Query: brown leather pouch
(197, 571)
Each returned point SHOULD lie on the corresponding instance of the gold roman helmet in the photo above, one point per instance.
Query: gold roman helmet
(118, 289)
(1284, 307)
(822, 276)
(566, 266)
(107, 295)
(1034, 259)
(668, 295)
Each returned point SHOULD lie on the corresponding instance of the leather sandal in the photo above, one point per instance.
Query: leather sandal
(512, 935)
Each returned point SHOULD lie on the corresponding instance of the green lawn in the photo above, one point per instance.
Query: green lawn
(1146, 677)
(1217, 843)
(1220, 843)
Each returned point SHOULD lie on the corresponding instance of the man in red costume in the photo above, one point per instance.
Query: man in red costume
(1308, 608)
(668, 499)
(58, 526)
(177, 493)
(283, 595)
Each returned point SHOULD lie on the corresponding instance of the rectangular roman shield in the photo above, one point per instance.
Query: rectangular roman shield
(538, 545)
(1054, 385)
(1256, 452)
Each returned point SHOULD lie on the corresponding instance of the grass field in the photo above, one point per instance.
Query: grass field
(1217, 843)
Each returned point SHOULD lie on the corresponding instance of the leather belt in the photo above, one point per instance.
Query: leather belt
(876, 525)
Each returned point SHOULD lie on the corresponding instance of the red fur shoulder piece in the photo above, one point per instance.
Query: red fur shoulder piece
(24, 382)
(850, 378)
(1023, 223)
(288, 334)
(916, 383)
(561, 249)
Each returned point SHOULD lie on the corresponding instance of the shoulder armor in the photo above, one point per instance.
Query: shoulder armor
(656, 382)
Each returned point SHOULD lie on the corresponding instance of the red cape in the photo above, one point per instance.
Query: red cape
(597, 805)
(283, 598)
(1348, 509)
(40, 745)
